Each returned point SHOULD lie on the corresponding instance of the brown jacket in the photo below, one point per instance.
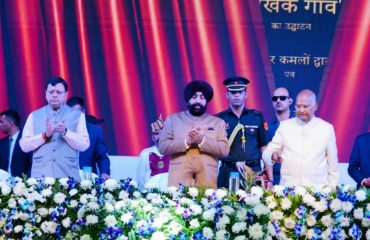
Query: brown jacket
(194, 166)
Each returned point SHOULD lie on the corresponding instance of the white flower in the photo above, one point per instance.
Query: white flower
(272, 205)
(109, 207)
(109, 197)
(194, 223)
(84, 198)
(221, 193)
(5, 189)
(158, 236)
(255, 231)
(196, 209)
(136, 194)
(110, 221)
(147, 208)
(240, 238)
(208, 232)
(73, 192)
(19, 188)
(32, 181)
(12, 203)
(66, 222)
(209, 214)
(221, 234)
(336, 205)
(93, 219)
(126, 218)
(86, 184)
(320, 206)
(222, 222)
(252, 200)
(85, 237)
(110, 184)
(73, 203)
(277, 215)
(23, 216)
(193, 191)
(228, 210)
(93, 205)
(172, 190)
(42, 212)
(278, 190)
(327, 220)
(175, 228)
(46, 192)
(241, 214)
(347, 206)
(368, 234)
(365, 222)
(124, 195)
(345, 222)
(286, 203)
(301, 191)
(308, 199)
(239, 227)
(289, 223)
(48, 227)
(311, 220)
(64, 182)
(310, 234)
(49, 181)
(260, 210)
(18, 228)
(209, 192)
(358, 213)
(59, 198)
(258, 191)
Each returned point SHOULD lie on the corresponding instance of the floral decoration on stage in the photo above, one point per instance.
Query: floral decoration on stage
(62, 209)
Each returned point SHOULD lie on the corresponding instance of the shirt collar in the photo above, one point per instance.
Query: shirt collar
(15, 135)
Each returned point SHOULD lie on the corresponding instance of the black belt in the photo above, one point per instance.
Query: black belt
(255, 163)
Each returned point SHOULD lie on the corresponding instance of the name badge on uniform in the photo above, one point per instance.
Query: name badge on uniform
(251, 128)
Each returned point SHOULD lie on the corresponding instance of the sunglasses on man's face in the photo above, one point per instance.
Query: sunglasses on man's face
(282, 98)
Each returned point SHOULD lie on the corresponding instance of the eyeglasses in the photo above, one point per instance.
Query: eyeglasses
(51, 92)
(282, 98)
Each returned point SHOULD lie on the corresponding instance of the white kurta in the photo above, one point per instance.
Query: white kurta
(143, 168)
(308, 150)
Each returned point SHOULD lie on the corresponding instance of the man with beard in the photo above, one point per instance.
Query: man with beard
(281, 102)
(194, 139)
(246, 130)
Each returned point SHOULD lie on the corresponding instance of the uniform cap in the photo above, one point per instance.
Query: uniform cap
(236, 83)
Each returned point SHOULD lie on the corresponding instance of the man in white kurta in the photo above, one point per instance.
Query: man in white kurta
(305, 145)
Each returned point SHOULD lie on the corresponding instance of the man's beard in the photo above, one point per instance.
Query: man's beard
(197, 109)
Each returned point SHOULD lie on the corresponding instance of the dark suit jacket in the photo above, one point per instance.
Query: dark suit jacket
(96, 154)
(359, 162)
(21, 162)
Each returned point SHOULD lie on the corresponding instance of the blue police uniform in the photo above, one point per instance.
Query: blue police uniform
(253, 131)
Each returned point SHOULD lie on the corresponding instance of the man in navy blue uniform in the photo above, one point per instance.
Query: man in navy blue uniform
(96, 154)
(12, 158)
(359, 162)
(246, 131)
(281, 102)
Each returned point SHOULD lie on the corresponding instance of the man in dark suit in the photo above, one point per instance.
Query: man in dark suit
(359, 162)
(96, 154)
(12, 158)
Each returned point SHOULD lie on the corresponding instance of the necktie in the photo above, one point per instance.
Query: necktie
(10, 142)
(10, 156)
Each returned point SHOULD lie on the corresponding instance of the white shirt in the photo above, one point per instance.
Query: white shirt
(11, 150)
(308, 150)
(143, 168)
(78, 140)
